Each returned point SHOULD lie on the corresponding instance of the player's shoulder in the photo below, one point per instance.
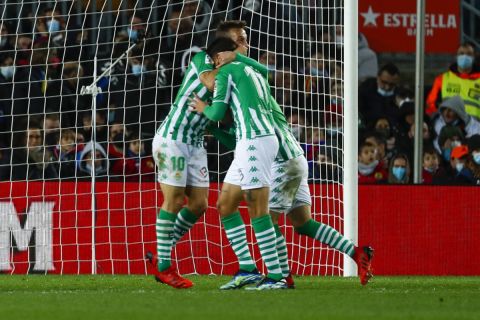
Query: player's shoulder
(202, 57)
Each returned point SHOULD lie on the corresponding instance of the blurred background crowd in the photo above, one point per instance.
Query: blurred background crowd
(47, 54)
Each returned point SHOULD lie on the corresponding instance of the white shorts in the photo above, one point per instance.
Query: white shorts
(289, 188)
(180, 164)
(251, 167)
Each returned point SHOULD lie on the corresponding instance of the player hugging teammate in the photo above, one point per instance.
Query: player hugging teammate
(269, 169)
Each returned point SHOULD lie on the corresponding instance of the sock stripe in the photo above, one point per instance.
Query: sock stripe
(184, 222)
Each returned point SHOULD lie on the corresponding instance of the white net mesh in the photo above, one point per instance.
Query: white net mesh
(47, 54)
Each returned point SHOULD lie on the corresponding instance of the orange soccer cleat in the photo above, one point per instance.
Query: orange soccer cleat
(173, 279)
(363, 257)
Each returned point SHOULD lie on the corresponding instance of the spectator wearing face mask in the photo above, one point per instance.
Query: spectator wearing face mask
(370, 170)
(51, 24)
(452, 112)
(450, 137)
(430, 165)
(135, 93)
(473, 161)
(399, 171)
(462, 78)
(457, 172)
(384, 128)
(376, 96)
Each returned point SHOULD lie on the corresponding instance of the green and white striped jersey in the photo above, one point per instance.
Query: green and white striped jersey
(246, 92)
(289, 148)
(181, 124)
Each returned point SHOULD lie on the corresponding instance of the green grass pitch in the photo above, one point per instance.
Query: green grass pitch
(140, 297)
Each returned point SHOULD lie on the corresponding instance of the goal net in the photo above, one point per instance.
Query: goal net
(78, 191)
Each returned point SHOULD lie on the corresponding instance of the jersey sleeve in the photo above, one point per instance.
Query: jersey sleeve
(202, 63)
(221, 97)
(252, 63)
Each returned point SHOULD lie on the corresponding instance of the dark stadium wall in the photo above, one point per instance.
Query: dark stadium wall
(415, 230)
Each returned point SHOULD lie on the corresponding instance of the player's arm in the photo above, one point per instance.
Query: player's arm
(221, 96)
(207, 78)
(206, 71)
(229, 56)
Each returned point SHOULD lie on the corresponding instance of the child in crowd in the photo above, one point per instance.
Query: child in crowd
(431, 165)
(399, 172)
(370, 170)
(473, 162)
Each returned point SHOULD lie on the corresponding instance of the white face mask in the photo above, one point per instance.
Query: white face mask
(3, 41)
(367, 169)
(459, 166)
(7, 72)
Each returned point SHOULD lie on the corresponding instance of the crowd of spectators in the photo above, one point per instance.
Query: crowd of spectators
(46, 123)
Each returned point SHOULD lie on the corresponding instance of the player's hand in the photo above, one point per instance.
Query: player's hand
(196, 104)
(225, 57)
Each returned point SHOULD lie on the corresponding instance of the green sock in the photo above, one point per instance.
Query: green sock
(282, 251)
(184, 222)
(327, 235)
(267, 243)
(165, 221)
(237, 235)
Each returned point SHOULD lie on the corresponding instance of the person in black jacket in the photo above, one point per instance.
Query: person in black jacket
(376, 96)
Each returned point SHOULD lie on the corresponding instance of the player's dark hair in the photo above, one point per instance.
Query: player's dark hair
(225, 26)
(390, 68)
(219, 45)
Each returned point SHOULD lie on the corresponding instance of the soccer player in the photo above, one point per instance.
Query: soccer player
(243, 90)
(182, 165)
(290, 194)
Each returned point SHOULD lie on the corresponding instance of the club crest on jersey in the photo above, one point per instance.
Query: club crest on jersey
(178, 175)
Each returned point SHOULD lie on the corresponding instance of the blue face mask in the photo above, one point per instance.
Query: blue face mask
(464, 61)
(132, 34)
(399, 172)
(271, 67)
(318, 73)
(137, 69)
(336, 101)
(53, 26)
(446, 154)
(476, 158)
(7, 72)
(385, 93)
